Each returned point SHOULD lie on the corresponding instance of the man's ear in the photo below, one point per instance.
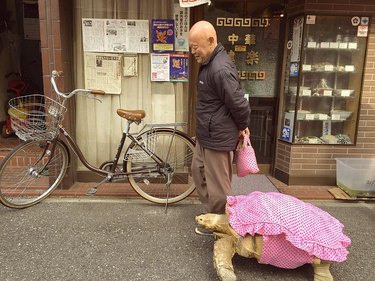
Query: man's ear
(211, 40)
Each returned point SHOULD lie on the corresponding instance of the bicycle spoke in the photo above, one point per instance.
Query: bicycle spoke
(176, 151)
(28, 175)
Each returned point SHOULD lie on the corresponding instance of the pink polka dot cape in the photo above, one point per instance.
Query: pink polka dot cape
(294, 232)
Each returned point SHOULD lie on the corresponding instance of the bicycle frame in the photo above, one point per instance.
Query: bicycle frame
(113, 174)
(32, 171)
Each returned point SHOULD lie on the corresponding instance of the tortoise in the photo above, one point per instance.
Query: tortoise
(251, 243)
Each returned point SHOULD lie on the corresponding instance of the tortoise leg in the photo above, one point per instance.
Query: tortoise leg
(223, 254)
(321, 270)
(250, 246)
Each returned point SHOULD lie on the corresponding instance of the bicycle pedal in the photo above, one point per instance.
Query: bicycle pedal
(91, 191)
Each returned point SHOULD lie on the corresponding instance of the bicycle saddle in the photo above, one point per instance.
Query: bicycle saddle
(131, 115)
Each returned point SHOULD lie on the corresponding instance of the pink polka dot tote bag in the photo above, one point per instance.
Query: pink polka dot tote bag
(246, 161)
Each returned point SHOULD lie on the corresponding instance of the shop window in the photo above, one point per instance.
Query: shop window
(98, 127)
(323, 79)
(250, 33)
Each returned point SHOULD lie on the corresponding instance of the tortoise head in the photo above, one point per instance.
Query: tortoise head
(214, 222)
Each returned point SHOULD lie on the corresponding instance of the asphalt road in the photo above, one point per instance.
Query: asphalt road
(122, 239)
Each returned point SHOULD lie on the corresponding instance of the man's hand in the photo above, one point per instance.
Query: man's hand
(244, 132)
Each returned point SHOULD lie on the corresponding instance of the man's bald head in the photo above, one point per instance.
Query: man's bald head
(202, 40)
(203, 29)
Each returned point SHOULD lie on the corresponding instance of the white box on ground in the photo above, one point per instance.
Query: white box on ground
(356, 176)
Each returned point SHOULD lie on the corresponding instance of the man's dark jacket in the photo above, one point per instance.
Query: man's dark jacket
(221, 109)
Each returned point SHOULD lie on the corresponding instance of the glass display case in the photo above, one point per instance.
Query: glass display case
(323, 79)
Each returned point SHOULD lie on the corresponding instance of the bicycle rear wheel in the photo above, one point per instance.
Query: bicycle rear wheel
(176, 150)
(31, 172)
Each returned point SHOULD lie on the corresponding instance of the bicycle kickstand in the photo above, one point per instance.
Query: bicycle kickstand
(168, 186)
(94, 189)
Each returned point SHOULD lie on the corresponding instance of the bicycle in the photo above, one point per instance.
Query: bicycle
(156, 163)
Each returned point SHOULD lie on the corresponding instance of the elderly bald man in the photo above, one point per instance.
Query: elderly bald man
(222, 115)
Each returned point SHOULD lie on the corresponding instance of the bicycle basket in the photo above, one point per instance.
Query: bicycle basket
(35, 117)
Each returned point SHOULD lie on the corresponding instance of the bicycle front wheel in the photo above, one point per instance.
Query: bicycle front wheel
(176, 150)
(31, 172)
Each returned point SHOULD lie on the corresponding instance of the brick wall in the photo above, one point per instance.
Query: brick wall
(315, 164)
(55, 18)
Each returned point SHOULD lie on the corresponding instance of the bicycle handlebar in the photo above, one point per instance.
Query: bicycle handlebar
(56, 74)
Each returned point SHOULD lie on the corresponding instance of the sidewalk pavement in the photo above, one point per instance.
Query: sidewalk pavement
(131, 239)
(243, 185)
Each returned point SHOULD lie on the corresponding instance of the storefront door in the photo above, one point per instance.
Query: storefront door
(251, 33)
(20, 57)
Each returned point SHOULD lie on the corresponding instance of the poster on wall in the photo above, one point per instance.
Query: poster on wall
(287, 129)
(193, 3)
(181, 25)
(130, 65)
(293, 69)
(115, 35)
(160, 67)
(103, 72)
(162, 35)
(31, 29)
(179, 67)
(297, 39)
